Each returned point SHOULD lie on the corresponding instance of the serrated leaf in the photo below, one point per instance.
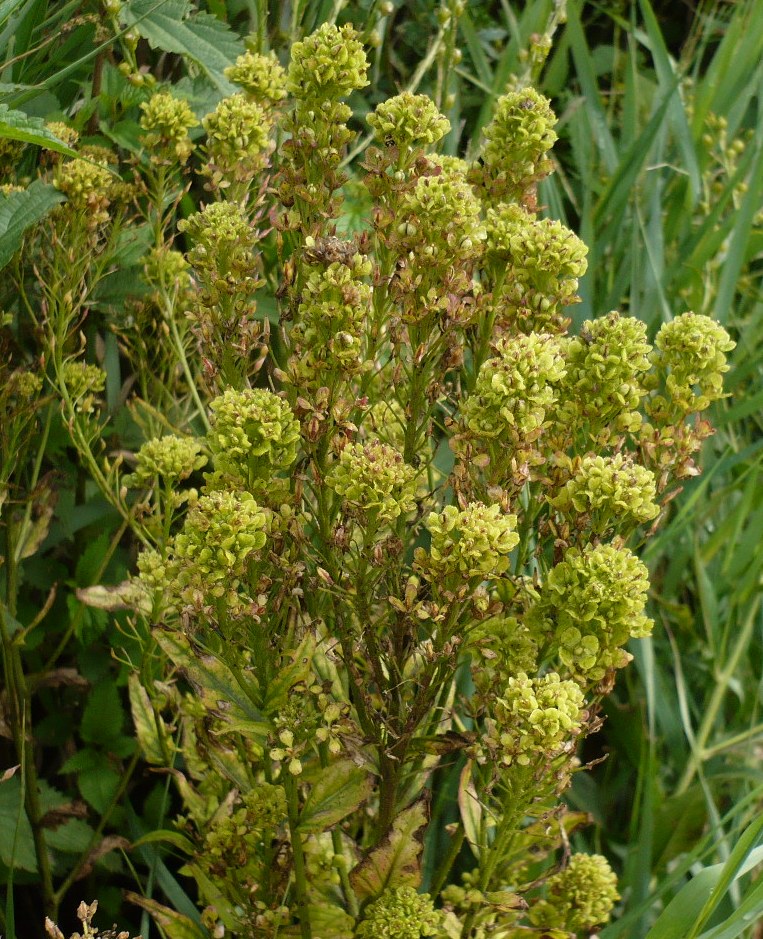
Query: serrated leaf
(340, 789)
(103, 717)
(98, 786)
(145, 720)
(19, 211)
(16, 846)
(396, 862)
(202, 38)
(16, 125)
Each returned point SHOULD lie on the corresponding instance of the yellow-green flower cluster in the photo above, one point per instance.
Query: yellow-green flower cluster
(167, 269)
(471, 542)
(88, 188)
(536, 262)
(166, 121)
(516, 390)
(606, 365)
(400, 913)
(611, 491)
(83, 383)
(517, 141)
(535, 718)
(579, 898)
(236, 840)
(375, 479)
(170, 459)
(262, 77)
(223, 241)
(690, 352)
(439, 221)
(253, 434)
(22, 385)
(327, 66)
(335, 305)
(591, 604)
(238, 136)
(408, 122)
(223, 532)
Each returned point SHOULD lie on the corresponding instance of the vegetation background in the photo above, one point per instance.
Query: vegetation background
(659, 168)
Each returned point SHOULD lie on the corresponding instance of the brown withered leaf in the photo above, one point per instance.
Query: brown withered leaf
(62, 813)
(109, 843)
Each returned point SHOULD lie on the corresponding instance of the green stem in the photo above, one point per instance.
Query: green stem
(300, 873)
(441, 874)
(183, 359)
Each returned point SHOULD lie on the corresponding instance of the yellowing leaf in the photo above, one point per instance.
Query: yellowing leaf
(338, 791)
(396, 861)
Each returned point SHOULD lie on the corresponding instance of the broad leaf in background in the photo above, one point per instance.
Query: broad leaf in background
(16, 125)
(19, 211)
(200, 37)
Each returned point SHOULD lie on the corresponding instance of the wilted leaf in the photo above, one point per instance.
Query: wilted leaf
(338, 791)
(396, 861)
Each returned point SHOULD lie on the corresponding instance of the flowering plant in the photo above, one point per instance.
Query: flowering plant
(385, 546)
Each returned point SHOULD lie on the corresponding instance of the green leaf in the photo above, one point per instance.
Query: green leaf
(19, 211)
(396, 862)
(690, 908)
(471, 809)
(103, 717)
(165, 836)
(99, 785)
(16, 125)
(16, 847)
(214, 683)
(339, 790)
(202, 38)
(147, 724)
(174, 925)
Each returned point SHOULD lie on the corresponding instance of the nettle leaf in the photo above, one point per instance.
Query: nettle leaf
(16, 840)
(396, 862)
(19, 211)
(103, 718)
(339, 790)
(16, 125)
(200, 37)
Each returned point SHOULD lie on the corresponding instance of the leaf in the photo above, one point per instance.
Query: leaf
(289, 675)
(216, 685)
(695, 901)
(202, 38)
(174, 925)
(19, 211)
(165, 836)
(99, 785)
(16, 125)
(16, 847)
(103, 717)
(471, 809)
(396, 861)
(339, 790)
(148, 725)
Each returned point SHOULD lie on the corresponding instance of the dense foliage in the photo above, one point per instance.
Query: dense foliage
(322, 506)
